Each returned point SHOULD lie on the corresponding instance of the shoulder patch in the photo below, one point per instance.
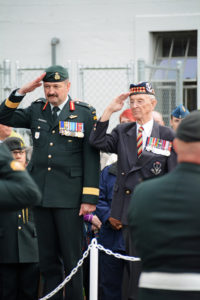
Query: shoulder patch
(16, 166)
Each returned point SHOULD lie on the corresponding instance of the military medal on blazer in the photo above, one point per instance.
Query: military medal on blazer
(158, 146)
(73, 129)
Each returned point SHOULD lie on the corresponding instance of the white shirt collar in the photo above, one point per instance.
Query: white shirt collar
(147, 127)
(62, 104)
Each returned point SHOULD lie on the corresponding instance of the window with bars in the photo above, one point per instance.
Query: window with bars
(171, 47)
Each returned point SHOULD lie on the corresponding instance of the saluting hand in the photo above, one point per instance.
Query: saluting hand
(86, 208)
(31, 86)
(114, 106)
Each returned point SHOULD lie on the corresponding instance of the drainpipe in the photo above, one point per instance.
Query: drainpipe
(54, 42)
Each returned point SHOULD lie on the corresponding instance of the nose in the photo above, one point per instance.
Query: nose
(51, 90)
(134, 104)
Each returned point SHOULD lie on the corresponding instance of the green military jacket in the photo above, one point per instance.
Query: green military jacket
(65, 167)
(18, 237)
(16, 186)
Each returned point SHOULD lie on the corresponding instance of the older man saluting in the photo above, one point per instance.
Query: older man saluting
(144, 151)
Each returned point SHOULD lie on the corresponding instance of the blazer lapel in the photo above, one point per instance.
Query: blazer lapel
(146, 156)
(131, 145)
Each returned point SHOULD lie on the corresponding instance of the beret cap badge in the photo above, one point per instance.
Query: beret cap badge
(57, 76)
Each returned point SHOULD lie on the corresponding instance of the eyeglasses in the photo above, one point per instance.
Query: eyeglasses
(18, 152)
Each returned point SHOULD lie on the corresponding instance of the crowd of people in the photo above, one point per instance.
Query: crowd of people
(133, 198)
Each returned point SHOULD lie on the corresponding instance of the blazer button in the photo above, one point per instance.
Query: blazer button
(38, 127)
(128, 192)
(51, 144)
(49, 156)
(122, 173)
(19, 216)
(49, 168)
(19, 227)
(53, 131)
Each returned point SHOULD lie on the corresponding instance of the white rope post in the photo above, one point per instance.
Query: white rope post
(94, 270)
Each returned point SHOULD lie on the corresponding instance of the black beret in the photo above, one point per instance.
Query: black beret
(189, 128)
(142, 88)
(56, 74)
(14, 143)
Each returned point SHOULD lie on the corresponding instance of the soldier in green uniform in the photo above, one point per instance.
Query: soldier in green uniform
(165, 223)
(65, 167)
(16, 186)
(19, 268)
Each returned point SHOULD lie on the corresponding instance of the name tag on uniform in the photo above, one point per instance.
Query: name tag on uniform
(73, 129)
(158, 146)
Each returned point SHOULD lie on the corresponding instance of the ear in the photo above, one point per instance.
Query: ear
(154, 103)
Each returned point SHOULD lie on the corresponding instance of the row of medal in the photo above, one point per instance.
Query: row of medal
(158, 146)
(73, 129)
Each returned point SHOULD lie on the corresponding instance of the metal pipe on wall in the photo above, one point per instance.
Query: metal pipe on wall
(54, 42)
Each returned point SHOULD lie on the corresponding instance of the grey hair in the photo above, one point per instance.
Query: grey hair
(152, 97)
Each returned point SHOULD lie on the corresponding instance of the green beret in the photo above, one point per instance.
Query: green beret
(188, 129)
(56, 74)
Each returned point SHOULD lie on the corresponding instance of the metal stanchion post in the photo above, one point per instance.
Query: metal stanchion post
(94, 271)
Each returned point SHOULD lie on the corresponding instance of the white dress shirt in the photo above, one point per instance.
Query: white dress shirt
(60, 106)
(146, 132)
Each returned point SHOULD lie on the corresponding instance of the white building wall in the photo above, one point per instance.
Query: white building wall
(90, 31)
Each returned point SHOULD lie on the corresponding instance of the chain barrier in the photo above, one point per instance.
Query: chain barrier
(117, 255)
(68, 278)
(80, 262)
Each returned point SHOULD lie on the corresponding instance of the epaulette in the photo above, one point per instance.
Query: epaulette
(90, 107)
(82, 103)
(40, 100)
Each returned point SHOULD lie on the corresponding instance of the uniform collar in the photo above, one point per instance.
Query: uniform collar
(61, 105)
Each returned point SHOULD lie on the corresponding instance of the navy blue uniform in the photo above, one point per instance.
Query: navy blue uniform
(111, 268)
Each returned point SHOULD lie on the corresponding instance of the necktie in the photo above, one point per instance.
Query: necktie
(54, 114)
(139, 141)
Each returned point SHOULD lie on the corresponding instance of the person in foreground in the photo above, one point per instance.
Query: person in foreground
(165, 224)
(19, 268)
(16, 186)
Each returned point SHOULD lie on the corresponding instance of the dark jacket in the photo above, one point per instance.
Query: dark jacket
(17, 188)
(165, 227)
(108, 237)
(18, 238)
(65, 168)
(131, 170)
